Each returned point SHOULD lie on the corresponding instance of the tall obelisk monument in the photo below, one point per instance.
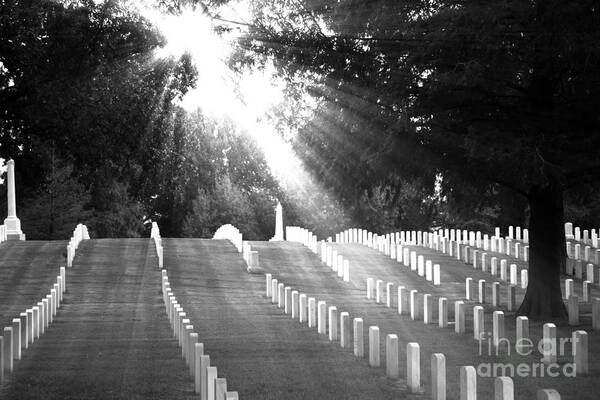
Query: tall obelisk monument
(12, 223)
(278, 223)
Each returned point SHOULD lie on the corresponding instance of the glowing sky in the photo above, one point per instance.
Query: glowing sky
(243, 97)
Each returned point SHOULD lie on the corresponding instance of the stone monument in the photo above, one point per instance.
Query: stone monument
(278, 223)
(12, 223)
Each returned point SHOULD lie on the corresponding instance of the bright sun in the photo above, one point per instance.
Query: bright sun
(192, 32)
(245, 97)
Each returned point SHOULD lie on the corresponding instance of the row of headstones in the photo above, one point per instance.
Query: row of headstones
(576, 234)
(231, 233)
(574, 267)
(450, 241)
(589, 254)
(79, 233)
(573, 307)
(471, 256)
(382, 243)
(424, 268)
(412, 302)
(431, 272)
(387, 245)
(329, 255)
(317, 315)
(417, 263)
(445, 240)
(390, 245)
(30, 325)
(337, 262)
(250, 257)
(155, 236)
(573, 303)
(515, 232)
(575, 264)
(376, 292)
(355, 235)
(473, 239)
(495, 244)
(206, 381)
(481, 240)
(508, 273)
(302, 235)
(327, 320)
(570, 290)
(306, 238)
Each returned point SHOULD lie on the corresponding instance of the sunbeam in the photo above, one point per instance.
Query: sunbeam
(244, 97)
(249, 97)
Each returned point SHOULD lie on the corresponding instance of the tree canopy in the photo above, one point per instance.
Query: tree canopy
(491, 96)
(92, 119)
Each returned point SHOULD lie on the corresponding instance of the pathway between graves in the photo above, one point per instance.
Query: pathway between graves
(27, 270)
(297, 267)
(261, 352)
(111, 338)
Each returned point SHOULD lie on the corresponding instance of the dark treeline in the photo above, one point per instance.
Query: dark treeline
(90, 117)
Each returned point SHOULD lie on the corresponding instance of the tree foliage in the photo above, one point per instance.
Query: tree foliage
(500, 94)
(215, 175)
(81, 78)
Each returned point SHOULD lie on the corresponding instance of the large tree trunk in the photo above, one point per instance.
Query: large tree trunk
(543, 299)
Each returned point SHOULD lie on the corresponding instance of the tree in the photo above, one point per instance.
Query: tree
(233, 181)
(56, 206)
(227, 204)
(80, 77)
(502, 93)
(479, 207)
(115, 213)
